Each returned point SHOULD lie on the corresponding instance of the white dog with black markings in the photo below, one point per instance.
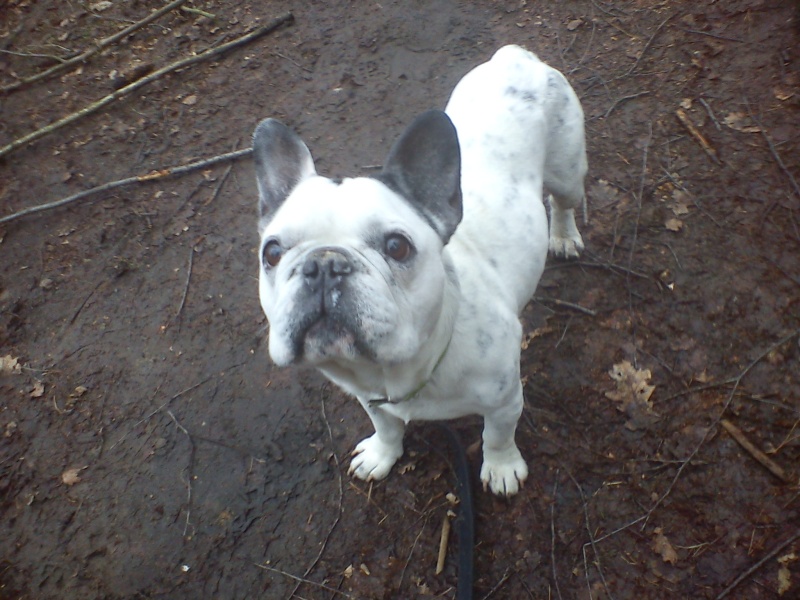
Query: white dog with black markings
(405, 288)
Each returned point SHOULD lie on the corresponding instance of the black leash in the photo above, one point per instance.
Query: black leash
(465, 522)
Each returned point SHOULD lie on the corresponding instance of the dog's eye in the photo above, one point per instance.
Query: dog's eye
(272, 253)
(397, 247)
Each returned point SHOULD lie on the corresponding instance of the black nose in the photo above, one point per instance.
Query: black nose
(325, 269)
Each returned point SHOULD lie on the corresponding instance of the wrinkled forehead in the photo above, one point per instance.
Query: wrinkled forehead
(320, 206)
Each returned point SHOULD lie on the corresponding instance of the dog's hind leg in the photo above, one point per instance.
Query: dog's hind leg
(565, 168)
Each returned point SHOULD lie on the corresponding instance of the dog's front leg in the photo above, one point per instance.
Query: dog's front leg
(504, 470)
(375, 456)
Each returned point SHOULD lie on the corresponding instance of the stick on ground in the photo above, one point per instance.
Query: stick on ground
(762, 458)
(93, 50)
(111, 185)
(185, 62)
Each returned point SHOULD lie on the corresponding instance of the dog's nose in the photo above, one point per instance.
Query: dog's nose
(325, 268)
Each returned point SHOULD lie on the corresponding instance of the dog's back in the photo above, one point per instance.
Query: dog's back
(520, 127)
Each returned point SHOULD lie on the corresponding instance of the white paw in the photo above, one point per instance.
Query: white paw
(566, 247)
(565, 239)
(503, 472)
(373, 459)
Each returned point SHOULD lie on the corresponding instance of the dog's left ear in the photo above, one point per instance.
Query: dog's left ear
(282, 161)
(424, 166)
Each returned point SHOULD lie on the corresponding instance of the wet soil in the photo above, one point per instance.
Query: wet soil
(148, 449)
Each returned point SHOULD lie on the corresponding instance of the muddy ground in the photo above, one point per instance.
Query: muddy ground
(148, 449)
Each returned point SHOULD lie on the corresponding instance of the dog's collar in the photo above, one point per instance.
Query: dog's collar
(416, 391)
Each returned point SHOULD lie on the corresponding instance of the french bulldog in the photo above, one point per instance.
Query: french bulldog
(405, 288)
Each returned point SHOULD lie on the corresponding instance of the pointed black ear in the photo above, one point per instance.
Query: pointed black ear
(282, 161)
(424, 166)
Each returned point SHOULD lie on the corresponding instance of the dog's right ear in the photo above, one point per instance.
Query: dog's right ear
(282, 161)
(424, 166)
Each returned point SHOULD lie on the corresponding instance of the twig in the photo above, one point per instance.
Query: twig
(443, 540)
(166, 403)
(565, 304)
(711, 114)
(186, 287)
(639, 199)
(217, 189)
(772, 149)
(592, 542)
(498, 585)
(690, 127)
(190, 469)
(197, 11)
(623, 99)
(644, 50)
(301, 580)
(762, 458)
(736, 381)
(97, 47)
(34, 55)
(553, 535)
(772, 554)
(152, 176)
(411, 552)
(341, 500)
(713, 35)
(94, 107)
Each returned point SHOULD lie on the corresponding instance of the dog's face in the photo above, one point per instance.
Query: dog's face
(352, 270)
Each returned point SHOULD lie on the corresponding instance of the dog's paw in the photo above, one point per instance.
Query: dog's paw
(565, 239)
(566, 247)
(373, 459)
(503, 472)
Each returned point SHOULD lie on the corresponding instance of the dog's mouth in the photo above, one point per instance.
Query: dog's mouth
(326, 337)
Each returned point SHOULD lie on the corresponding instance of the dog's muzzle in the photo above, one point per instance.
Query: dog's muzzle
(324, 271)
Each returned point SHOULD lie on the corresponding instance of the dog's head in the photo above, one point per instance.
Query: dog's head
(353, 270)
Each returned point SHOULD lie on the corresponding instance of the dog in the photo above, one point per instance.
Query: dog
(405, 288)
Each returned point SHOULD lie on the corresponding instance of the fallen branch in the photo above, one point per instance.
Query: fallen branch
(565, 304)
(94, 107)
(338, 518)
(444, 538)
(762, 458)
(772, 554)
(553, 535)
(592, 542)
(773, 151)
(301, 580)
(152, 176)
(97, 47)
(736, 382)
(644, 50)
(704, 143)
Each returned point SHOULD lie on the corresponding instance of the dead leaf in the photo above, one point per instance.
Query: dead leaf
(784, 574)
(573, 25)
(101, 6)
(9, 365)
(674, 224)
(686, 103)
(79, 391)
(662, 547)
(70, 476)
(782, 93)
(38, 390)
(190, 100)
(633, 394)
(740, 122)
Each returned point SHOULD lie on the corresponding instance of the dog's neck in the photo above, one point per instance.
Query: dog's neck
(393, 383)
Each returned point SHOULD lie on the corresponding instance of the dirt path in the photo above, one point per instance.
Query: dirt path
(149, 450)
